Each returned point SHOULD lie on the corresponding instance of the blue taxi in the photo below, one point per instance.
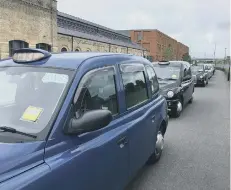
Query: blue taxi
(85, 121)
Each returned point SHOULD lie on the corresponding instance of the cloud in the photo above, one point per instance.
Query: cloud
(198, 24)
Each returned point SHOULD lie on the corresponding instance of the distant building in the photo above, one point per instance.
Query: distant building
(160, 45)
(38, 24)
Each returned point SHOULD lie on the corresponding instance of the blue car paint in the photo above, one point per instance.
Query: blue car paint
(91, 160)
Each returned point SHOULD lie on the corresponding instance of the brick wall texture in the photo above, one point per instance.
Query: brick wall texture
(35, 21)
(160, 45)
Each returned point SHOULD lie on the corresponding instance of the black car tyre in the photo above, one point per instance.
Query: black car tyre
(178, 110)
(158, 150)
(207, 81)
(191, 100)
(204, 83)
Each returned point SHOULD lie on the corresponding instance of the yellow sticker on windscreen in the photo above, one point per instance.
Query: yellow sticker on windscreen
(174, 76)
(32, 114)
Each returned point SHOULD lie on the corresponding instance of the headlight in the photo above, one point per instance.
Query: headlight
(170, 94)
(201, 77)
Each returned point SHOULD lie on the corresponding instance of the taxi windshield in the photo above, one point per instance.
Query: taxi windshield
(29, 96)
(196, 69)
(208, 67)
(167, 72)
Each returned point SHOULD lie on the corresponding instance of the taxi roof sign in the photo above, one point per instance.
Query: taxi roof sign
(26, 55)
(163, 62)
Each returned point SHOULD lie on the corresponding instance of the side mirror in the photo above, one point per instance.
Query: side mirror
(186, 78)
(89, 121)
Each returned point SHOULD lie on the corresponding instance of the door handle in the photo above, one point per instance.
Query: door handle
(122, 141)
(153, 118)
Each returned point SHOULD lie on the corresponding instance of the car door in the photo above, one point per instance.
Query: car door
(139, 114)
(98, 159)
(187, 83)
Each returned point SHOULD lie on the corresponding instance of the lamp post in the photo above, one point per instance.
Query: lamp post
(224, 59)
(215, 53)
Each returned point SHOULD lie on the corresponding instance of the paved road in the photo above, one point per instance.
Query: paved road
(197, 152)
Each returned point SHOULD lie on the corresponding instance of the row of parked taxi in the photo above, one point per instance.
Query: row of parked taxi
(85, 121)
(202, 72)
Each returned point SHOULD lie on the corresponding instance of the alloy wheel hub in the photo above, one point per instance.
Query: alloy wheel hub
(159, 143)
(179, 107)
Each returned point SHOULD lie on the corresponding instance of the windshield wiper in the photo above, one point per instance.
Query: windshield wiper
(12, 130)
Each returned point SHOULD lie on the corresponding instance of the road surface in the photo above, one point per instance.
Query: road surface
(197, 152)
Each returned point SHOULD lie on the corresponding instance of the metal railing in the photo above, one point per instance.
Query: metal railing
(224, 66)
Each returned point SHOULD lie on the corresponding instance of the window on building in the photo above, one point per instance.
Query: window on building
(88, 50)
(97, 90)
(77, 49)
(63, 49)
(44, 46)
(152, 79)
(135, 86)
(16, 44)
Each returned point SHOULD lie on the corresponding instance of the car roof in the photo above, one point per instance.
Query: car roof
(71, 60)
(171, 63)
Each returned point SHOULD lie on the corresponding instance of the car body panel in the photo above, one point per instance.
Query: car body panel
(103, 159)
(19, 157)
(183, 90)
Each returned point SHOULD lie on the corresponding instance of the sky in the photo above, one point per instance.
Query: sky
(200, 24)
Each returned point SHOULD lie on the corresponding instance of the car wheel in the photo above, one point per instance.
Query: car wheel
(158, 149)
(207, 81)
(191, 100)
(204, 83)
(177, 112)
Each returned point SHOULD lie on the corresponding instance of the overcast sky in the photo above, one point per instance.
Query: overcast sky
(197, 23)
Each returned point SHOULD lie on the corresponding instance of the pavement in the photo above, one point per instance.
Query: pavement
(197, 145)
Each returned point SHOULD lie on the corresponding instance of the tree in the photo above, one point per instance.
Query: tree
(168, 54)
(187, 57)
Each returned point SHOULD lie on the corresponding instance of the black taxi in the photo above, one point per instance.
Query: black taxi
(176, 84)
(200, 75)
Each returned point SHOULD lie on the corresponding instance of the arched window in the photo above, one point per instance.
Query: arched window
(16, 44)
(44, 46)
(88, 50)
(63, 49)
(77, 49)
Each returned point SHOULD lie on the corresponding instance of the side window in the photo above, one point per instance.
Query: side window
(135, 87)
(187, 74)
(152, 79)
(97, 90)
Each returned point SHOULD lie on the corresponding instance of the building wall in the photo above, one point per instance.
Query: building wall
(27, 20)
(181, 50)
(160, 45)
(89, 45)
(35, 21)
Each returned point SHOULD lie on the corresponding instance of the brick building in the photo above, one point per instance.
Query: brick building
(160, 45)
(38, 24)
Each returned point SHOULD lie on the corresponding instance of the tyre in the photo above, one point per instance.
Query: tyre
(207, 81)
(155, 157)
(178, 110)
(191, 100)
(204, 83)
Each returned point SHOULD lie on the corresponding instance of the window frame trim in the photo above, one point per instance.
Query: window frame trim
(153, 95)
(11, 46)
(75, 98)
(137, 106)
(48, 46)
